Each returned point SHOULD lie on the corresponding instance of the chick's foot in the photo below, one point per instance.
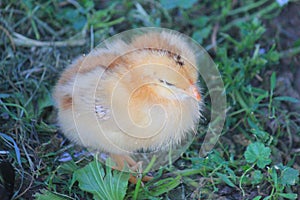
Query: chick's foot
(134, 166)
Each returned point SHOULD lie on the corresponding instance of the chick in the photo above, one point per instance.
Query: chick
(129, 95)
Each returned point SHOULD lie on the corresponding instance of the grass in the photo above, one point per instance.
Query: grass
(257, 156)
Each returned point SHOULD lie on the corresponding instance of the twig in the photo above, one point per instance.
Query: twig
(26, 189)
(260, 13)
(214, 37)
(246, 8)
(21, 40)
(290, 52)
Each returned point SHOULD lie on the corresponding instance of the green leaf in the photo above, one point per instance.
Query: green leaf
(273, 173)
(259, 154)
(88, 4)
(289, 176)
(202, 34)
(273, 81)
(273, 56)
(268, 197)
(170, 4)
(257, 198)
(264, 136)
(225, 179)
(256, 177)
(3, 95)
(165, 185)
(288, 195)
(10, 140)
(45, 101)
(68, 167)
(200, 22)
(287, 98)
(74, 17)
(103, 185)
(46, 195)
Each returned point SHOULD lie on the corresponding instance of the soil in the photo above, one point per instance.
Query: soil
(285, 28)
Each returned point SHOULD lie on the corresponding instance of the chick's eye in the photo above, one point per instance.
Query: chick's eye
(166, 82)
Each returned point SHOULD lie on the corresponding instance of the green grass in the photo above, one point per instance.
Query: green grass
(257, 156)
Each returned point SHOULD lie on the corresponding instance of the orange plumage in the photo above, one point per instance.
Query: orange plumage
(128, 96)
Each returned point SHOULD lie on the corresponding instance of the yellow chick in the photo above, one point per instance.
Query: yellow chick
(128, 96)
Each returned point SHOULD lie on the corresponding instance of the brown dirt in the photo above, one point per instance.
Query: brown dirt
(285, 28)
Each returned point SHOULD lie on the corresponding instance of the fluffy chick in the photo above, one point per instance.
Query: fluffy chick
(130, 96)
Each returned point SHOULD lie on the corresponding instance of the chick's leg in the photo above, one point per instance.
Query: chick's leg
(134, 166)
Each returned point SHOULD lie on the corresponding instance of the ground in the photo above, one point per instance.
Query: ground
(256, 46)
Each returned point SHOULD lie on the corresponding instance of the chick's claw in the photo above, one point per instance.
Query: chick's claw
(135, 167)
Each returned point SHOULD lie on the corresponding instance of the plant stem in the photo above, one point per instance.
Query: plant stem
(244, 174)
(246, 8)
(289, 52)
(248, 17)
(137, 187)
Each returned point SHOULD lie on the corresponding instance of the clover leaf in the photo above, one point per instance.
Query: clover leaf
(289, 176)
(258, 153)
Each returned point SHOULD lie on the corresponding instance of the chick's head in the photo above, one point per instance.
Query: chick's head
(169, 80)
(164, 72)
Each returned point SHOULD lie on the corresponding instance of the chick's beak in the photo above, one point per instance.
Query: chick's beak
(195, 92)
